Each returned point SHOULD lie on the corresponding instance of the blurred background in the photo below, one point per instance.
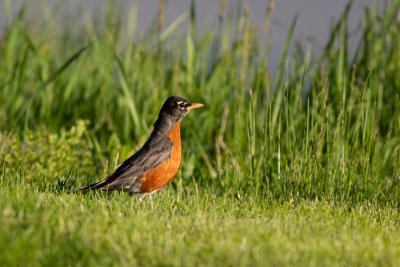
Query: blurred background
(315, 17)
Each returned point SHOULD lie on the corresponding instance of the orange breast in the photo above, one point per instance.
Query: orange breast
(161, 175)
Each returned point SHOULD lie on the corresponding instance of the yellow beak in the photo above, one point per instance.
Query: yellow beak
(194, 105)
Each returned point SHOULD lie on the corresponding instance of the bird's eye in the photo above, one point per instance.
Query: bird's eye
(181, 105)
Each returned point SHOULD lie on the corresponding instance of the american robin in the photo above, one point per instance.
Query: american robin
(156, 163)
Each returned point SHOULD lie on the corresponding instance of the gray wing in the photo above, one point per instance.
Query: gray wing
(155, 151)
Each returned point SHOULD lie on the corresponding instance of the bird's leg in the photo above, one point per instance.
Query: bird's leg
(149, 198)
(148, 195)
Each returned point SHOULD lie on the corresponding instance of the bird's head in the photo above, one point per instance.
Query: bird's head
(177, 107)
(173, 110)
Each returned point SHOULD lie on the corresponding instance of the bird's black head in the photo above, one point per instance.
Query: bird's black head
(173, 110)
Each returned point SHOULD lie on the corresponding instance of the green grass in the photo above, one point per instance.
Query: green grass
(45, 228)
(301, 167)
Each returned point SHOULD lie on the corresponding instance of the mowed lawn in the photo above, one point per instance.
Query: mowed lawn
(189, 229)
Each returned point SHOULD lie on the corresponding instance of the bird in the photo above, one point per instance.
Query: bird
(154, 165)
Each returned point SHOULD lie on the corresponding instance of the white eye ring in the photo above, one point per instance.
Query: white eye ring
(181, 105)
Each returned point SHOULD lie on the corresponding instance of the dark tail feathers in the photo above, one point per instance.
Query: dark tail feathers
(86, 187)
